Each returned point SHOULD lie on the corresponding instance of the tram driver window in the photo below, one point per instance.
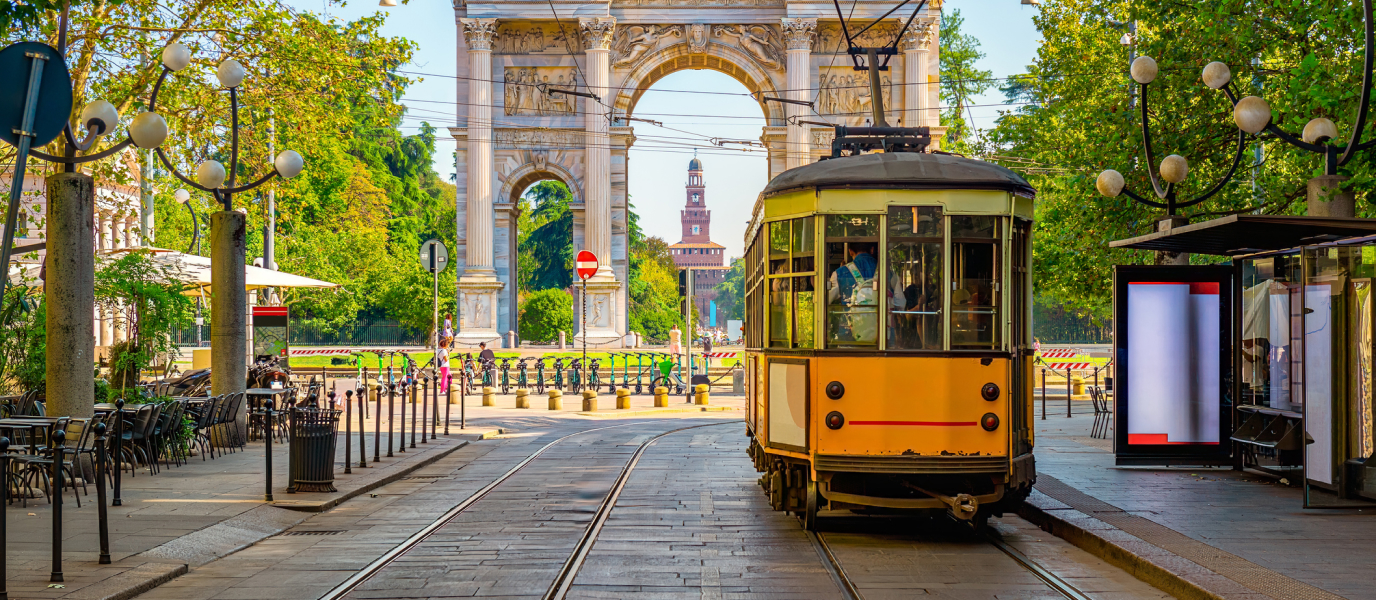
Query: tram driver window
(852, 255)
(915, 266)
(974, 282)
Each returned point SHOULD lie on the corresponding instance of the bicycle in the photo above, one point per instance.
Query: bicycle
(576, 379)
(469, 374)
(540, 375)
(594, 381)
(559, 374)
(506, 375)
(522, 375)
(668, 378)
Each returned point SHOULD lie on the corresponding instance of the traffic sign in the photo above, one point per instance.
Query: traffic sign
(585, 264)
(441, 255)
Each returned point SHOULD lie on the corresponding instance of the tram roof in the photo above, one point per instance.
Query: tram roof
(910, 170)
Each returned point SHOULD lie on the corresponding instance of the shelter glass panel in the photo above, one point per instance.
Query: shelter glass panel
(852, 316)
(916, 269)
(1270, 314)
(975, 282)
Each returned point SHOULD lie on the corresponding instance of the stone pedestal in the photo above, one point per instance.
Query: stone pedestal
(229, 323)
(477, 311)
(1327, 198)
(70, 293)
(603, 318)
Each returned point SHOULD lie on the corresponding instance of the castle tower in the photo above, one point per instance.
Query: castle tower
(696, 248)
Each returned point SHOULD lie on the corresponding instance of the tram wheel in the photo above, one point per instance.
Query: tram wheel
(810, 508)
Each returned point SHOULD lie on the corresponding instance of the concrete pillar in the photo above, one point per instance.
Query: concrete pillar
(479, 286)
(228, 331)
(1327, 198)
(70, 294)
(798, 35)
(597, 44)
(1172, 258)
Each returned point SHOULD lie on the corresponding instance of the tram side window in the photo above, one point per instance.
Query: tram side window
(915, 267)
(791, 269)
(852, 245)
(974, 284)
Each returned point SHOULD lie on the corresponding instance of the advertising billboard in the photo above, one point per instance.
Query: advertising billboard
(1172, 364)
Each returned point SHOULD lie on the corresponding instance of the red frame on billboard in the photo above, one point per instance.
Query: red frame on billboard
(1176, 412)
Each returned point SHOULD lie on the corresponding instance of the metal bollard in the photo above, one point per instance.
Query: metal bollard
(463, 400)
(661, 397)
(391, 410)
(1043, 394)
(522, 398)
(104, 518)
(623, 399)
(267, 449)
(362, 440)
(4, 502)
(377, 426)
(703, 394)
(556, 400)
(348, 432)
(58, 439)
(1068, 384)
(590, 401)
(435, 408)
(413, 414)
(402, 425)
(487, 396)
(449, 401)
(119, 457)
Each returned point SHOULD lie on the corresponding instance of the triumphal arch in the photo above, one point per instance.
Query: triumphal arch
(515, 126)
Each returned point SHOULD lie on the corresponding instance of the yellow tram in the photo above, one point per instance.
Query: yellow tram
(889, 352)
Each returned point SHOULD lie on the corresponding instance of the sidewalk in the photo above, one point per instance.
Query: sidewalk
(187, 516)
(1197, 533)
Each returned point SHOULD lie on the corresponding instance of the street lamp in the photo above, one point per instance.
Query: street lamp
(1252, 115)
(227, 227)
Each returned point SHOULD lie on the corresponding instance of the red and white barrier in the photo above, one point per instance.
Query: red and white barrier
(1066, 353)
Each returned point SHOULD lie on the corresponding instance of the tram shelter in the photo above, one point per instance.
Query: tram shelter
(1296, 383)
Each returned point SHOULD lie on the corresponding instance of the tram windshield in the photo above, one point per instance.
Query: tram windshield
(915, 267)
(852, 255)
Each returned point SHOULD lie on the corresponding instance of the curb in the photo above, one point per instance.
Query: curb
(652, 412)
(145, 577)
(372, 485)
(1161, 569)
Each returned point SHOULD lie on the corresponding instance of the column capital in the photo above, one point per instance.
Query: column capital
(597, 32)
(919, 36)
(478, 33)
(798, 32)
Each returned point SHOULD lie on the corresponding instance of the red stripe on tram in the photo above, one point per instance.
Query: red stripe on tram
(919, 423)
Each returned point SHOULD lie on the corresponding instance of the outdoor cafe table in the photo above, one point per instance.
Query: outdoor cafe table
(32, 424)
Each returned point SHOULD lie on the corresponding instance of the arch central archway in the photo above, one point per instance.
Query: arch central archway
(716, 57)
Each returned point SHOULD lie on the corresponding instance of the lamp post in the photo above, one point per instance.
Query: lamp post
(1252, 115)
(228, 334)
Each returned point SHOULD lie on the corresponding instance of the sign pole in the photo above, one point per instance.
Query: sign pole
(584, 327)
(585, 266)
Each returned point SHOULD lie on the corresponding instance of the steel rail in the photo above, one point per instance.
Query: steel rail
(833, 566)
(1052, 581)
(564, 580)
(367, 572)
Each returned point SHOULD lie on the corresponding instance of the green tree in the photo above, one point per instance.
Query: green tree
(960, 80)
(1303, 56)
(546, 253)
(23, 340)
(544, 314)
(145, 294)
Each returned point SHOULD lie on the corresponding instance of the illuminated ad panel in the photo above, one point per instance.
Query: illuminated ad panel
(1172, 351)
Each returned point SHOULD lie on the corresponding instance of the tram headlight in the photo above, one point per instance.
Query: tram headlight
(835, 390)
(989, 421)
(835, 420)
(990, 392)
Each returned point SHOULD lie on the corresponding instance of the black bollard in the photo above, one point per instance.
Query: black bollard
(267, 449)
(348, 431)
(402, 414)
(413, 413)
(391, 410)
(4, 502)
(435, 408)
(362, 433)
(377, 426)
(448, 396)
(57, 449)
(463, 399)
(119, 442)
(424, 409)
(101, 466)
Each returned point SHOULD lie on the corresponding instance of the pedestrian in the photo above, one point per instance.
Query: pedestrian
(707, 344)
(488, 360)
(442, 361)
(675, 341)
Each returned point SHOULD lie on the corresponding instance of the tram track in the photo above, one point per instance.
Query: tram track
(851, 592)
(568, 572)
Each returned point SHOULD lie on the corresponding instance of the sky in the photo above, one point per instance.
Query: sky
(657, 175)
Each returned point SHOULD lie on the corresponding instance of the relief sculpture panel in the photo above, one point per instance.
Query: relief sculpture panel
(696, 3)
(532, 38)
(846, 93)
(636, 41)
(762, 42)
(524, 91)
(830, 40)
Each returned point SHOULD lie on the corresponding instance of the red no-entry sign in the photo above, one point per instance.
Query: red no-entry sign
(585, 264)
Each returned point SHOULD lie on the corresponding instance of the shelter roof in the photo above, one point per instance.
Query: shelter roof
(1237, 235)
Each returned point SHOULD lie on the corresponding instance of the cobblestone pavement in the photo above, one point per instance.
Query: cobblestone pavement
(691, 522)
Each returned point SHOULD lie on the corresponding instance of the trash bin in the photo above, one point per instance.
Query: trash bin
(313, 436)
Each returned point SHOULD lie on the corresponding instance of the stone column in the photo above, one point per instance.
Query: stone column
(798, 34)
(132, 234)
(478, 286)
(597, 43)
(228, 331)
(1327, 198)
(70, 294)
